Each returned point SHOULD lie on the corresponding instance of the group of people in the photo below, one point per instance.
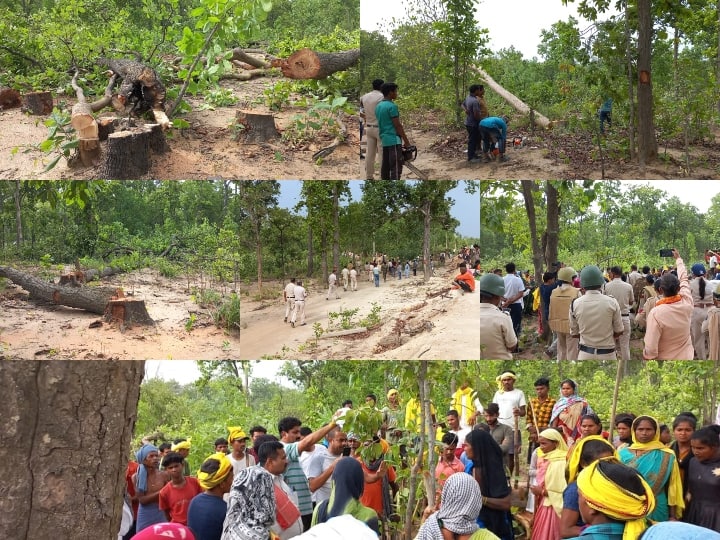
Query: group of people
(592, 314)
(481, 127)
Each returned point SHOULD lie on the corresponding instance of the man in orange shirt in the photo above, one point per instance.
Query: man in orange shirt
(464, 280)
(379, 481)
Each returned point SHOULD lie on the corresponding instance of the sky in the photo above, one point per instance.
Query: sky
(466, 208)
(695, 192)
(517, 23)
(186, 371)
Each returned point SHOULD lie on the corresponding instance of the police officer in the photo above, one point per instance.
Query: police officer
(623, 293)
(497, 336)
(595, 318)
(559, 318)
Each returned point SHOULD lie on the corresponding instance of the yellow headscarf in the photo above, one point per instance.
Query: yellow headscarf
(604, 495)
(208, 481)
(235, 433)
(674, 488)
(561, 449)
(574, 460)
(184, 445)
(502, 376)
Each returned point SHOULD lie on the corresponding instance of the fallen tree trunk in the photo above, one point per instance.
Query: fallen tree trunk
(513, 100)
(308, 64)
(83, 120)
(242, 56)
(92, 299)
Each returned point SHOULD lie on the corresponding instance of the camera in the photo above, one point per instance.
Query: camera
(346, 451)
(666, 253)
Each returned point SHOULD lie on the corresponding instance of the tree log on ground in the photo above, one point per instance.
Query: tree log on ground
(92, 299)
(308, 64)
(256, 127)
(127, 311)
(83, 120)
(38, 103)
(9, 98)
(513, 100)
(242, 56)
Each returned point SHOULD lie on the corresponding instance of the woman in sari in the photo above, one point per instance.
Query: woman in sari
(683, 428)
(568, 411)
(657, 465)
(487, 467)
(348, 483)
(550, 485)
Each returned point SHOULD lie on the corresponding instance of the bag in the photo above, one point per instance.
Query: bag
(286, 512)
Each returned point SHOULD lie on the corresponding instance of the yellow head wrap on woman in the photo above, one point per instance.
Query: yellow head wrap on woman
(607, 497)
(574, 460)
(182, 445)
(210, 480)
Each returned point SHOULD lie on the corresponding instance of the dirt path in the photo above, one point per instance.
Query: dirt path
(32, 331)
(450, 326)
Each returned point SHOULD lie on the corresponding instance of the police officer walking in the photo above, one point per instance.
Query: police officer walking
(497, 337)
(595, 318)
(559, 318)
(623, 293)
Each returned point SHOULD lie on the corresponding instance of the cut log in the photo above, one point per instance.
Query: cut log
(242, 56)
(92, 299)
(513, 100)
(256, 127)
(243, 75)
(344, 332)
(308, 64)
(38, 103)
(9, 98)
(128, 155)
(83, 120)
(127, 311)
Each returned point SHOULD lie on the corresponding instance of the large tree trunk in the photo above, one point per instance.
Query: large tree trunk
(92, 299)
(308, 64)
(64, 443)
(647, 143)
(528, 186)
(336, 224)
(17, 196)
(631, 85)
(513, 100)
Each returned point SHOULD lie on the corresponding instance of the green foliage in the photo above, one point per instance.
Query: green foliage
(345, 317)
(190, 323)
(321, 117)
(373, 317)
(219, 97)
(60, 142)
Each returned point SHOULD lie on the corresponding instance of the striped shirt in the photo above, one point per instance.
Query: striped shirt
(296, 479)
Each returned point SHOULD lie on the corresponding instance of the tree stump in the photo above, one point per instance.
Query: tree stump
(308, 64)
(9, 98)
(38, 103)
(127, 156)
(257, 127)
(106, 126)
(127, 311)
(156, 138)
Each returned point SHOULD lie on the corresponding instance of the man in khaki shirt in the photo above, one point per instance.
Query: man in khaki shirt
(623, 293)
(497, 336)
(560, 298)
(595, 318)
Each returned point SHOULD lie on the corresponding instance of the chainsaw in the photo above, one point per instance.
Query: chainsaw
(409, 155)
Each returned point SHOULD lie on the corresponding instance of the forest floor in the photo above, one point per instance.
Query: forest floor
(29, 330)
(442, 328)
(206, 149)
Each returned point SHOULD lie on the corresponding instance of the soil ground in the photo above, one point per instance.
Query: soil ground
(29, 330)
(446, 328)
(207, 150)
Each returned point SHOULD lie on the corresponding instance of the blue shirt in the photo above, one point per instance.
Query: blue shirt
(205, 516)
(602, 531)
(495, 122)
(385, 111)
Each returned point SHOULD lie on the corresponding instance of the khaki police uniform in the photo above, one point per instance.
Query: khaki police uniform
(496, 333)
(289, 299)
(595, 317)
(559, 320)
(623, 293)
(699, 315)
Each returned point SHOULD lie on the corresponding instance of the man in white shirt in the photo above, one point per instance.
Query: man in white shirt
(299, 309)
(239, 457)
(512, 404)
(322, 465)
(372, 135)
(353, 279)
(274, 460)
(332, 282)
(289, 298)
(623, 293)
(345, 278)
(514, 292)
(452, 420)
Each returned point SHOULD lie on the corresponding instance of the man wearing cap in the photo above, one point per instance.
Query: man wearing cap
(497, 336)
(623, 293)
(559, 314)
(240, 458)
(206, 513)
(392, 417)
(595, 318)
(289, 298)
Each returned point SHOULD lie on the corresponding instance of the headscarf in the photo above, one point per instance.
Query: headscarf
(461, 501)
(679, 531)
(164, 531)
(564, 402)
(502, 376)
(142, 474)
(207, 480)
(604, 495)
(674, 486)
(183, 445)
(236, 433)
(392, 392)
(561, 449)
(251, 506)
(576, 453)
(348, 483)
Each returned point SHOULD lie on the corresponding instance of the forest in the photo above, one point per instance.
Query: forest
(213, 58)
(658, 61)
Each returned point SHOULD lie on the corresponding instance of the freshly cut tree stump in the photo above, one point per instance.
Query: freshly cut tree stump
(38, 103)
(92, 299)
(308, 64)
(127, 156)
(106, 126)
(127, 311)
(9, 98)
(257, 127)
(156, 138)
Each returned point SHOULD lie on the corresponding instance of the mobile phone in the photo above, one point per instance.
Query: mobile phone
(666, 253)
(346, 451)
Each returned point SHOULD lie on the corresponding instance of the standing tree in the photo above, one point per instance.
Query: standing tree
(647, 144)
(64, 444)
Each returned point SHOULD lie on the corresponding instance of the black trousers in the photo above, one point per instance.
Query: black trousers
(392, 163)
